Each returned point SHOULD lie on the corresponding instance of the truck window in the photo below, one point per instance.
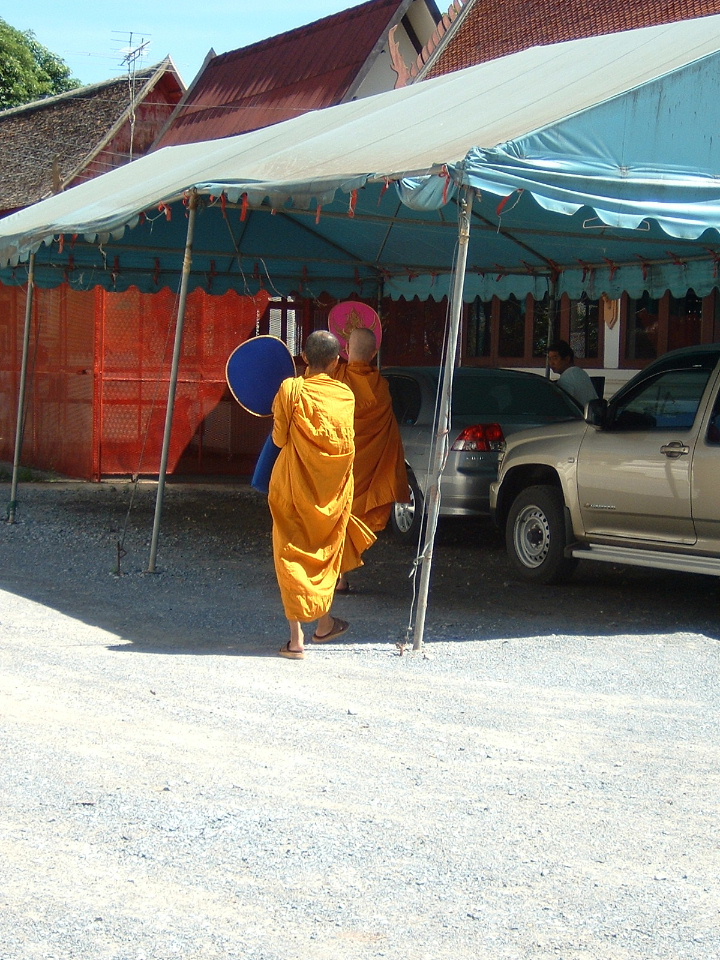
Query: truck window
(713, 430)
(667, 401)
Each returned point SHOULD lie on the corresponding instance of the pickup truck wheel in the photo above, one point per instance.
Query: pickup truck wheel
(405, 518)
(535, 536)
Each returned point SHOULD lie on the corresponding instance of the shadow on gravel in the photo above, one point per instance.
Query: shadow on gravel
(215, 593)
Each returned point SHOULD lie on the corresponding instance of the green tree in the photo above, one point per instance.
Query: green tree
(28, 70)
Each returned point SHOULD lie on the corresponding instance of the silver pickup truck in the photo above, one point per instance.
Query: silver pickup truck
(636, 482)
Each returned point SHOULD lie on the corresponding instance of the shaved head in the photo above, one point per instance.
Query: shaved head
(321, 349)
(362, 345)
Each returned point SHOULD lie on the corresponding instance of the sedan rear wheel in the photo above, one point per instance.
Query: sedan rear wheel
(535, 536)
(405, 518)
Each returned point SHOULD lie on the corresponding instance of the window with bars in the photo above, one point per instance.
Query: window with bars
(519, 331)
(584, 328)
(283, 319)
(652, 326)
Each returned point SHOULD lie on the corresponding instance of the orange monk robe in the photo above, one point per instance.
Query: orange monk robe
(311, 493)
(379, 469)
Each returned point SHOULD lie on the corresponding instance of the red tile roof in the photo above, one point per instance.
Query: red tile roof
(489, 29)
(306, 69)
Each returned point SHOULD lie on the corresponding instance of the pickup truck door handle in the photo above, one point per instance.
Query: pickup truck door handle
(675, 449)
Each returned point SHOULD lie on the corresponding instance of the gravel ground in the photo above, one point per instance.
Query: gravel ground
(542, 783)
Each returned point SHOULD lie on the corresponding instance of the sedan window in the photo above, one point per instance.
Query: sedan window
(406, 398)
(530, 396)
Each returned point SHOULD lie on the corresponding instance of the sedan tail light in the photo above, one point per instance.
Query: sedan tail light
(481, 438)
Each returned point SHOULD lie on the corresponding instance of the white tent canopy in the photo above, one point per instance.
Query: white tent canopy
(418, 129)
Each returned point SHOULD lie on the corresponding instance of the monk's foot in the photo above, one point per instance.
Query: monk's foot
(338, 627)
(342, 585)
(292, 653)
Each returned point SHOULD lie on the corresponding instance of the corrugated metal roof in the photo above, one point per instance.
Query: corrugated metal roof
(282, 77)
(489, 29)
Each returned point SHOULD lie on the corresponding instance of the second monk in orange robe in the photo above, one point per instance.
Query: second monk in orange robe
(379, 468)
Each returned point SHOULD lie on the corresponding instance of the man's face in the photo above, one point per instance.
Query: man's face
(557, 363)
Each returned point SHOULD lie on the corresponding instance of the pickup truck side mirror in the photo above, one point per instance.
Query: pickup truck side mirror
(596, 413)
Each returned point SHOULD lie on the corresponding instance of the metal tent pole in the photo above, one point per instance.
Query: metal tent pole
(443, 420)
(552, 301)
(19, 426)
(187, 263)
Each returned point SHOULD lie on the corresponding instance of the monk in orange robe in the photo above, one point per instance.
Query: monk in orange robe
(379, 468)
(311, 494)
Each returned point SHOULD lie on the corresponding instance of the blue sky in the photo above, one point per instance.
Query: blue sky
(91, 35)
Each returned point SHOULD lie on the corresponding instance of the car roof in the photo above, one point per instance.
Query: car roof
(699, 349)
(674, 358)
(487, 390)
(433, 373)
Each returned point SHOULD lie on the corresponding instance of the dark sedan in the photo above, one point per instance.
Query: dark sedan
(488, 404)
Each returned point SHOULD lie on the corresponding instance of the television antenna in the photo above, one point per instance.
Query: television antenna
(132, 55)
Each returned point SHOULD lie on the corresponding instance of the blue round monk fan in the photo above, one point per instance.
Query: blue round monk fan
(255, 370)
(254, 373)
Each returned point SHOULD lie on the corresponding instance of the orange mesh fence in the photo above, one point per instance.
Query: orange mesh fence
(12, 307)
(59, 394)
(98, 379)
(138, 334)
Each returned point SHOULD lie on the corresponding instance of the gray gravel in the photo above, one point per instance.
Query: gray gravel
(542, 783)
